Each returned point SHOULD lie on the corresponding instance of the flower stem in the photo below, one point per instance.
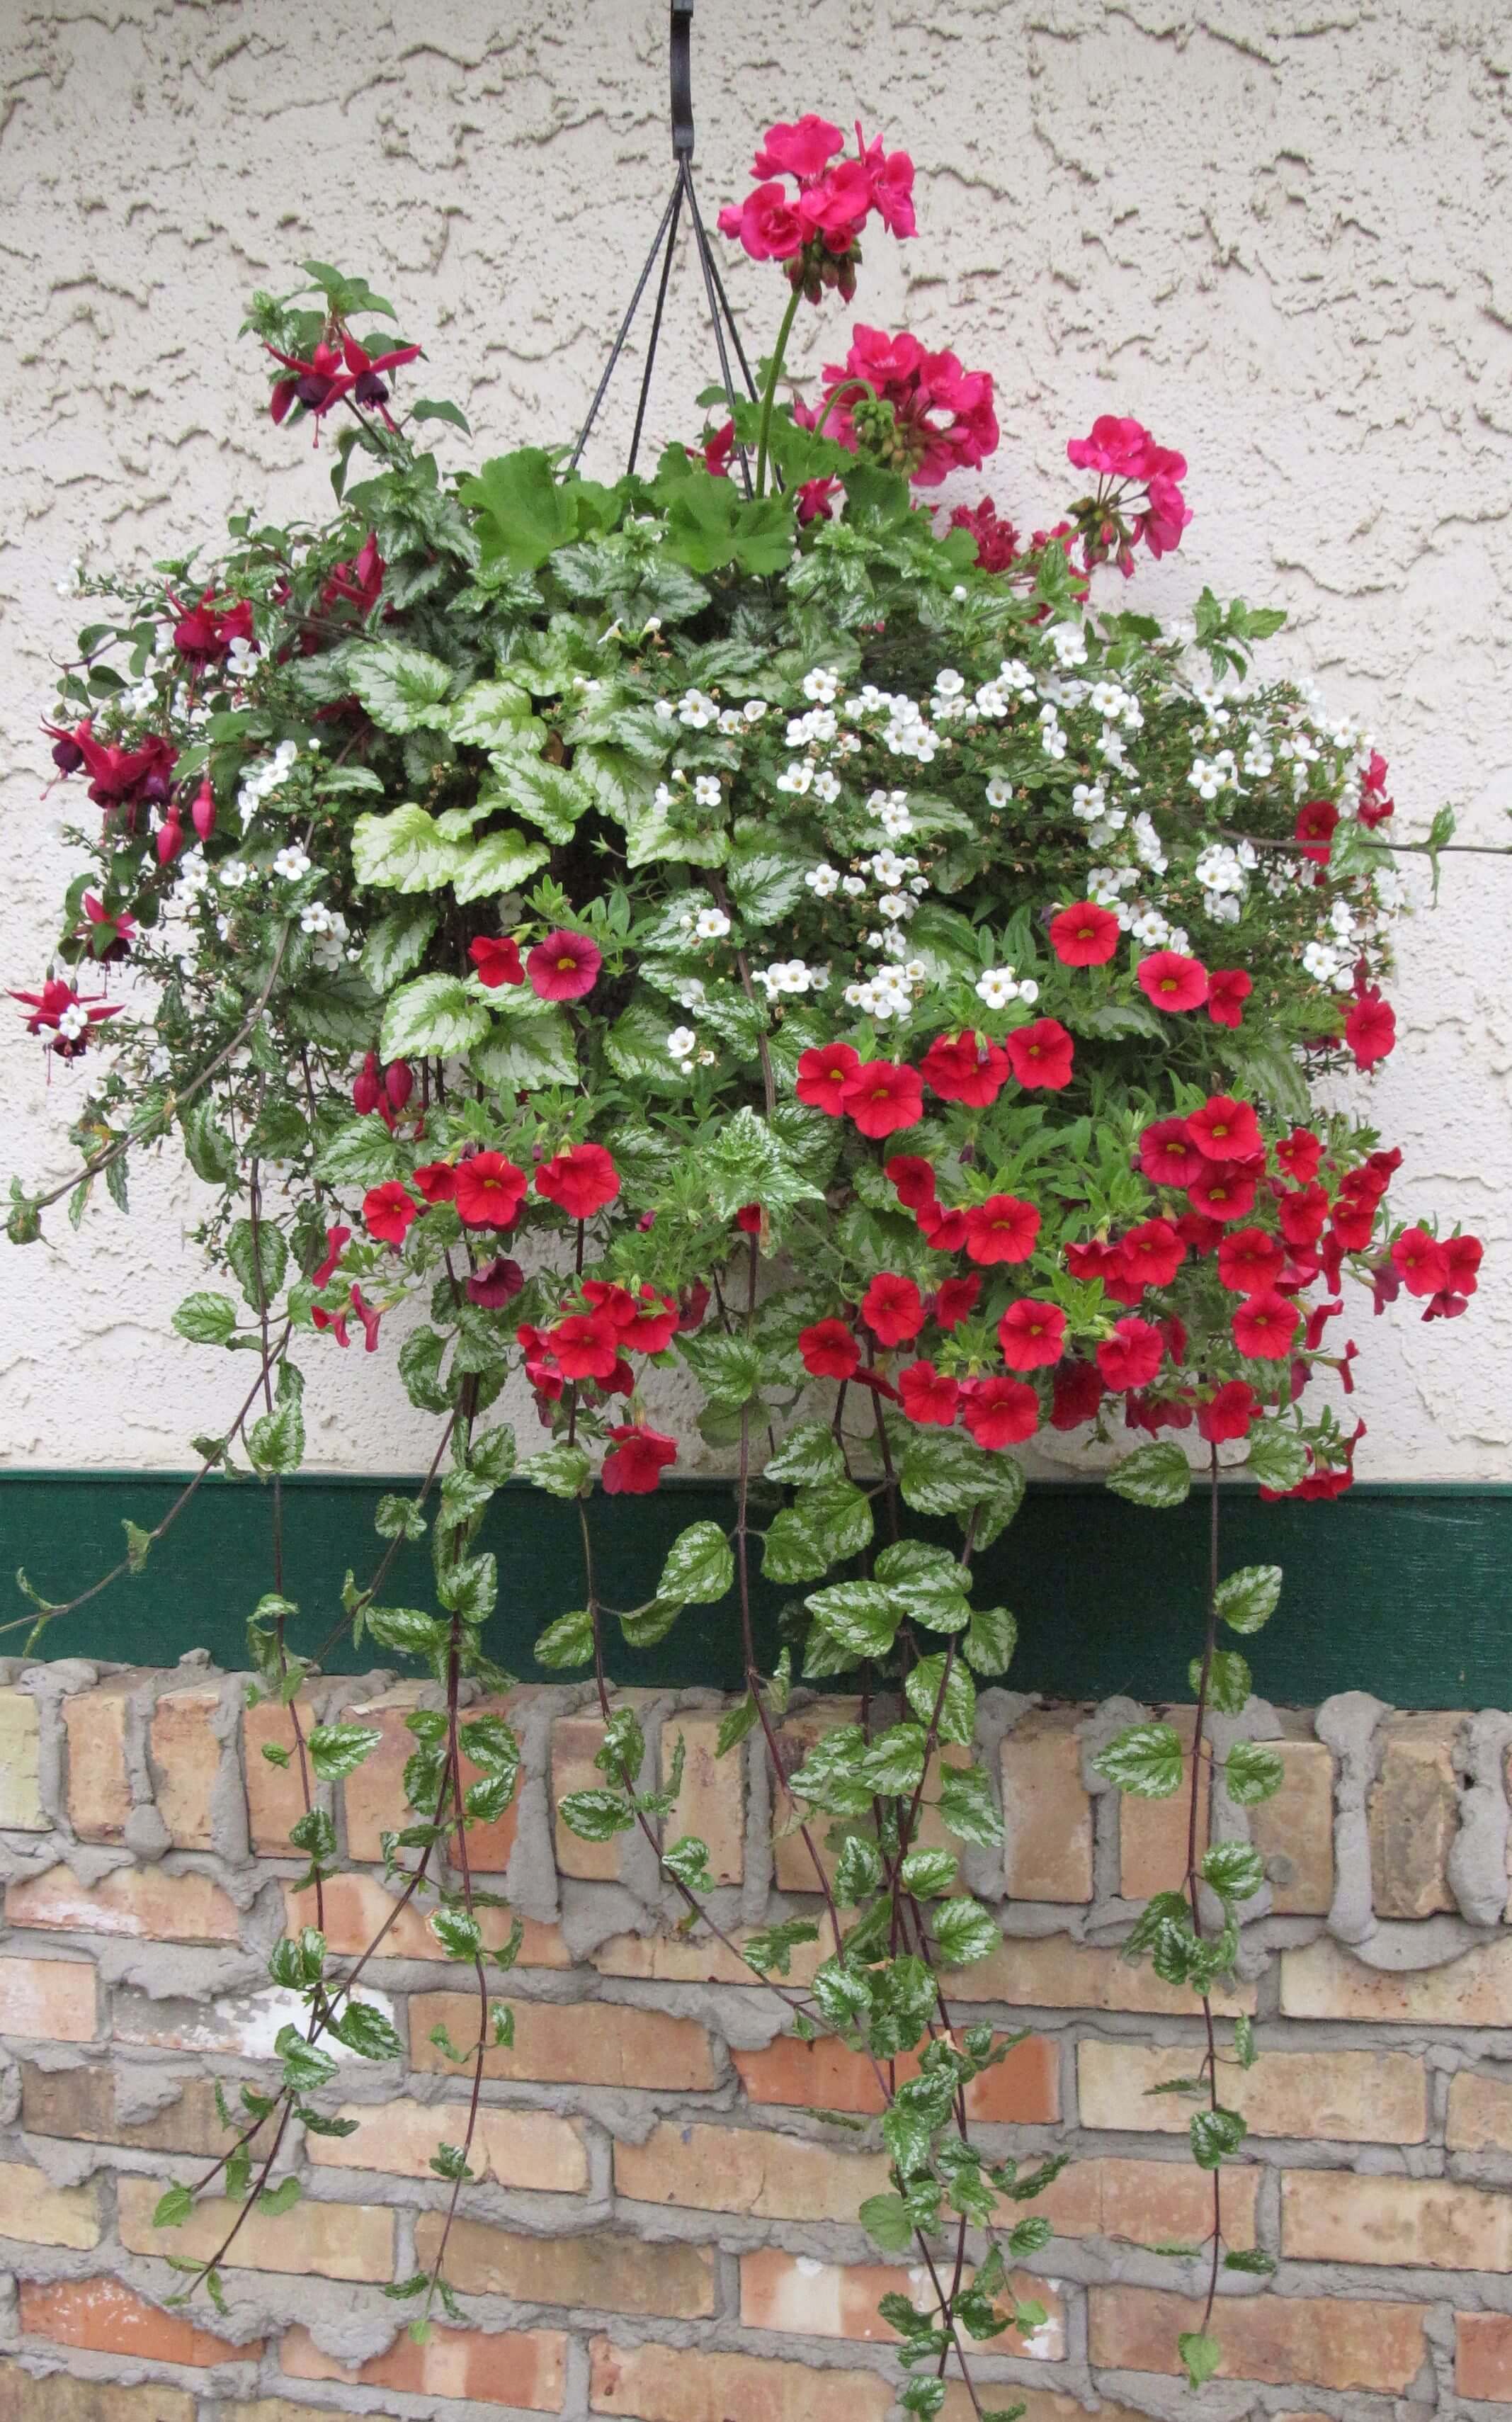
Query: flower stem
(770, 391)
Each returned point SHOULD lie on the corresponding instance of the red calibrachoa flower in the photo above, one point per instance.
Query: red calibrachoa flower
(1302, 1215)
(892, 1309)
(1002, 1229)
(1132, 1356)
(497, 957)
(586, 1345)
(1222, 1192)
(1095, 1259)
(1084, 936)
(1000, 1412)
(580, 1180)
(1041, 1054)
(1228, 989)
(823, 1074)
(653, 1323)
(944, 1232)
(496, 1284)
(1168, 1154)
(829, 1350)
(1075, 1396)
(1264, 1327)
(913, 1179)
(1370, 1028)
(564, 966)
(1420, 1262)
(961, 1069)
(389, 1212)
(1032, 1336)
(1171, 980)
(1152, 1253)
(489, 1192)
(881, 1098)
(1228, 1413)
(1249, 1261)
(437, 1181)
(1225, 1129)
(1300, 1153)
(637, 1458)
(955, 1300)
(928, 1397)
(1316, 825)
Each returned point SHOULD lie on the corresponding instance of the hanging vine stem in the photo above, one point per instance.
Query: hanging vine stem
(1193, 1879)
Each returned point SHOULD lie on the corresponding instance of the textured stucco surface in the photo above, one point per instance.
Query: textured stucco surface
(1276, 232)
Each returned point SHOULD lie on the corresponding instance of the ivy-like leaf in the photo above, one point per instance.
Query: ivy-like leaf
(1147, 1759)
(1252, 1772)
(1248, 1599)
(1156, 1475)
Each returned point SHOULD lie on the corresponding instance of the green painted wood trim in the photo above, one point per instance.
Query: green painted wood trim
(1398, 1589)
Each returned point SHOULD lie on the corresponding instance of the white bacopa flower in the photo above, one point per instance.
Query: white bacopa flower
(822, 684)
(1070, 643)
(696, 710)
(681, 1042)
(754, 709)
(71, 584)
(949, 683)
(852, 886)
(315, 918)
(1089, 799)
(894, 906)
(663, 710)
(240, 658)
(74, 1020)
(817, 724)
(826, 787)
(1053, 741)
(292, 864)
(706, 790)
(823, 881)
(997, 987)
(797, 778)
(1014, 674)
(1147, 844)
(999, 791)
(1106, 698)
(889, 869)
(233, 874)
(710, 925)
(731, 721)
(1206, 778)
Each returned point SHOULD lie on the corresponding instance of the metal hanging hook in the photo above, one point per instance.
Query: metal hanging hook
(681, 62)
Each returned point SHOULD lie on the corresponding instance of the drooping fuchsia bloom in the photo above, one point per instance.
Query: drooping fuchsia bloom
(109, 932)
(332, 372)
(203, 633)
(359, 581)
(118, 776)
(59, 1009)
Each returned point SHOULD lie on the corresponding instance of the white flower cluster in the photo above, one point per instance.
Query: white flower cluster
(997, 986)
(708, 924)
(789, 976)
(260, 781)
(888, 992)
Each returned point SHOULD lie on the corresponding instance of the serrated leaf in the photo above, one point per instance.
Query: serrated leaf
(963, 1931)
(404, 850)
(459, 1933)
(562, 1470)
(886, 2218)
(1248, 1599)
(365, 2030)
(523, 512)
(434, 1013)
(501, 861)
(699, 1567)
(811, 1453)
(173, 2207)
(596, 1815)
(1233, 1870)
(1200, 2356)
(401, 688)
(396, 944)
(991, 1637)
(1278, 1458)
(966, 1805)
(1229, 1681)
(1146, 1760)
(1252, 1772)
(337, 1750)
(940, 1692)
(1214, 2135)
(1156, 1475)
(569, 1640)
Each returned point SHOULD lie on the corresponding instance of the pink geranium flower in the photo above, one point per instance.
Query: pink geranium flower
(943, 416)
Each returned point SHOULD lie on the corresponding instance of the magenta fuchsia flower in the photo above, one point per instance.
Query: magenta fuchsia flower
(118, 777)
(59, 1010)
(359, 581)
(333, 371)
(203, 633)
(939, 416)
(109, 932)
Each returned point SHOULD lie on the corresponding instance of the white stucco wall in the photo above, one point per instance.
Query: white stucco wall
(1278, 233)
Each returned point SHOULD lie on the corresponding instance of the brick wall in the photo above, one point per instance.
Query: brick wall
(659, 2227)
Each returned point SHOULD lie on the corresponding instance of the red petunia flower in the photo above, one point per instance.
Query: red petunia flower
(1170, 980)
(1040, 1055)
(958, 1069)
(498, 1283)
(954, 1301)
(497, 957)
(437, 1181)
(1463, 1255)
(1370, 1028)
(1300, 1153)
(1002, 1229)
(1084, 936)
(829, 1350)
(1000, 1412)
(928, 1397)
(564, 966)
(1228, 1413)
(892, 1309)
(490, 1190)
(1223, 1193)
(1032, 1336)
(944, 1232)
(823, 1076)
(1302, 1213)
(1421, 1262)
(1225, 1129)
(1228, 989)
(1249, 1261)
(1315, 825)
(1095, 1259)
(654, 1325)
(636, 1460)
(335, 1240)
(914, 1180)
(586, 1345)
(580, 1180)
(1264, 1327)
(1200, 1235)
(389, 1212)
(1168, 1154)
(1076, 1393)
(881, 1098)
(1152, 1253)
(617, 1303)
(1132, 1356)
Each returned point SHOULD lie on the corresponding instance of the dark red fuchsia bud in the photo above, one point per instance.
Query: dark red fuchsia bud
(202, 811)
(366, 1090)
(399, 1082)
(170, 840)
(66, 755)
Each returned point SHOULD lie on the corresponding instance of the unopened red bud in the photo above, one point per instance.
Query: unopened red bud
(367, 1091)
(399, 1082)
(170, 841)
(203, 809)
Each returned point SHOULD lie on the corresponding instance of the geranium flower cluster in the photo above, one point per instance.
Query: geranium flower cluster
(911, 410)
(816, 231)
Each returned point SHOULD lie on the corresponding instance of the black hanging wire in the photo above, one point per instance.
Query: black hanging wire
(664, 247)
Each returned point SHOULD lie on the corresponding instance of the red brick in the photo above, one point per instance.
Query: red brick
(601, 2271)
(52, 1998)
(1152, 1834)
(36, 2212)
(186, 1764)
(833, 2299)
(825, 2076)
(110, 2319)
(1047, 1809)
(1145, 2202)
(100, 1789)
(698, 1959)
(749, 2170)
(1480, 2113)
(1322, 2341)
(1322, 1981)
(711, 1803)
(1427, 2224)
(1293, 1831)
(508, 2367)
(594, 2043)
(1375, 2096)
(1483, 2356)
(140, 1901)
(1053, 1971)
(334, 2240)
(1414, 1816)
(357, 1906)
(658, 2383)
(374, 1793)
